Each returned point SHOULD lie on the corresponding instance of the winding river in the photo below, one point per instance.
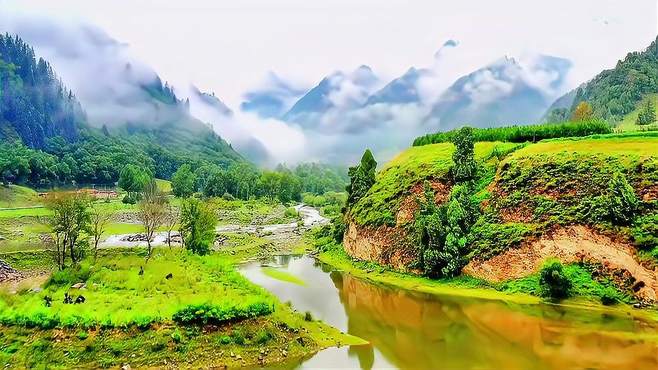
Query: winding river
(310, 217)
(419, 331)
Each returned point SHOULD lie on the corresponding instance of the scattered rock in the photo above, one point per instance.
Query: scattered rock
(2, 237)
(169, 276)
(134, 238)
(7, 273)
(238, 357)
(36, 289)
(637, 305)
(78, 286)
(232, 354)
(126, 366)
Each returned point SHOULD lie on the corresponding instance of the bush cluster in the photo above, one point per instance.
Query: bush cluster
(216, 314)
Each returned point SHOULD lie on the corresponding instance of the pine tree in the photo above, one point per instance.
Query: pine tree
(464, 156)
(648, 114)
(362, 177)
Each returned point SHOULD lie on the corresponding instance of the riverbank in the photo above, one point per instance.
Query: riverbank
(409, 329)
(151, 337)
(464, 286)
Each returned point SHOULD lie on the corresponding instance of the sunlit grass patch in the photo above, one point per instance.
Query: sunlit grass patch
(629, 123)
(282, 275)
(18, 196)
(407, 169)
(610, 145)
(116, 295)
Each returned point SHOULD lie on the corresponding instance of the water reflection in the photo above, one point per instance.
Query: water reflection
(411, 330)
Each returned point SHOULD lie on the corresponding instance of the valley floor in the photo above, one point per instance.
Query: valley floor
(204, 315)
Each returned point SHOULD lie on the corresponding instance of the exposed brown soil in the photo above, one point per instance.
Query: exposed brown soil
(384, 244)
(391, 245)
(569, 245)
(649, 193)
(409, 205)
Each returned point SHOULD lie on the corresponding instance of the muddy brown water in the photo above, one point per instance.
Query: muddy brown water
(411, 330)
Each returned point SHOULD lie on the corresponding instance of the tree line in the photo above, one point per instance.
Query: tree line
(584, 126)
(78, 223)
(243, 181)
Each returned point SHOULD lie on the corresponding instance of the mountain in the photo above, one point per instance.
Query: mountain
(339, 90)
(560, 110)
(273, 99)
(503, 92)
(212, 101)
(615, 92)
(401, 90)
(35, 105)
(154, 129)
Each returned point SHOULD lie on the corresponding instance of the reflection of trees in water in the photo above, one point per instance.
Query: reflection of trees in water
(283, 260)
(421, 331)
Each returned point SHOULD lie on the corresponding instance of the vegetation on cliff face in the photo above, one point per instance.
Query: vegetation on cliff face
(411, 167)
(607, 182)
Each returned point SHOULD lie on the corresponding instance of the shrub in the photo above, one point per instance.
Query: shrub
(210, 314)
(291, 212)
(238, 337)
(622, 201)
(609, 297)
(553, 282)
(130, 198)
(263, 336)
(176, 336)
(308, 316)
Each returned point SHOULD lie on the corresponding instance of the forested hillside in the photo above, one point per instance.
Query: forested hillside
(615, 92)
(35, 105)
(45, 139)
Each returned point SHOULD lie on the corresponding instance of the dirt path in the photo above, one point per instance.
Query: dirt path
(279, 232)
(572, 244)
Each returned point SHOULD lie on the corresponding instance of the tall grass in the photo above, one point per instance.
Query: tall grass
(521, 134)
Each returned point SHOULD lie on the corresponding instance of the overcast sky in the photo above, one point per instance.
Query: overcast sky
(229, 46)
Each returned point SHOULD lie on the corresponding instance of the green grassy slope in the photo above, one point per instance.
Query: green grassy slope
(558, 181)
(628, 123)
(411, 167)
(18, 196)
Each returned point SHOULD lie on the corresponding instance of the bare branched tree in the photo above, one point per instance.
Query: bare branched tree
(171, 219)
(152, 212)
(99, 221)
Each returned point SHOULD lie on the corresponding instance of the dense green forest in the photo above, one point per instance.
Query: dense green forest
(615, 92)
(244, 181)
(35, 105)
(46, 139)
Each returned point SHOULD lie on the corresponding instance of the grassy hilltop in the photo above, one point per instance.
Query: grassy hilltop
(526, 192)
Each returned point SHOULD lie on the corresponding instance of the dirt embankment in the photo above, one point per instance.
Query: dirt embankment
(569, 245)
(385, 245)
(391, 245)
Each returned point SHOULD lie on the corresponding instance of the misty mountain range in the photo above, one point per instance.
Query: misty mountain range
(345, 110)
